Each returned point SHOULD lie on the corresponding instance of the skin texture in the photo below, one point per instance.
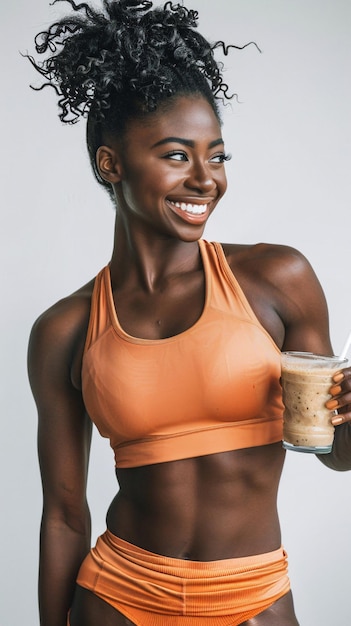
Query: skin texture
(207, 508)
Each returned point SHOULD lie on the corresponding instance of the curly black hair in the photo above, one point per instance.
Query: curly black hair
(123, 62)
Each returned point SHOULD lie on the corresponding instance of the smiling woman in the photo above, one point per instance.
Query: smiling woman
(173, 350)
(170, 169)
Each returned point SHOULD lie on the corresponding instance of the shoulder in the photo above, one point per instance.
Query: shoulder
(265, 258)
(66, 317)
(57, 336)
(272, 266)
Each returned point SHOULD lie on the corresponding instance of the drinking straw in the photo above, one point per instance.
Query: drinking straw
(346, 347)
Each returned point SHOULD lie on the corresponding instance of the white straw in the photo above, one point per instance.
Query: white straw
(346, 347)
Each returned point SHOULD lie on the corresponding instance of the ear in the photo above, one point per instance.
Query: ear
(108, 164)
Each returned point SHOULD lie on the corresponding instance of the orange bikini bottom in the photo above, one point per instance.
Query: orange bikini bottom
(154, 590)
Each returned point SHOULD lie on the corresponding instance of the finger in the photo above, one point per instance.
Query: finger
(342, 383)
(342, 375)
(342, 401)
(335, 390)
(341, 418)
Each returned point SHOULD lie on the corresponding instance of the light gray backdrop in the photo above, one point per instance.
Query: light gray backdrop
(289, 182)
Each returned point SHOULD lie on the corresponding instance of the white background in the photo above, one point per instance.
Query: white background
(289, 182)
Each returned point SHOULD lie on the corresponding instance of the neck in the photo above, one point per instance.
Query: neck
(147, 259)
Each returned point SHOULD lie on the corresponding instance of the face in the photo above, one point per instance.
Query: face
(171, 169)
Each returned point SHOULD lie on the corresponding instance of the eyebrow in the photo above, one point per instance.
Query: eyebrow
(187, 142)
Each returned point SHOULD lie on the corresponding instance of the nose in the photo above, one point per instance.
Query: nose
(200, 178)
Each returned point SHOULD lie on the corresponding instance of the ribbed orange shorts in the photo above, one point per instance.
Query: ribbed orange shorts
(153, 590)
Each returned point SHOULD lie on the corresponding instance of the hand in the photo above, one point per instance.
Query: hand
(341, 397)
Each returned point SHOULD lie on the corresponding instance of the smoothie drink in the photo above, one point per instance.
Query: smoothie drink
(306, 380)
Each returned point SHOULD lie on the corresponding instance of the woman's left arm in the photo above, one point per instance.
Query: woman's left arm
(305, 315)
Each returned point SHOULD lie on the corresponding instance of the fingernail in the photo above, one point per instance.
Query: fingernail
(337, 420)
(331, 404)
(335, 390)
(337, 378)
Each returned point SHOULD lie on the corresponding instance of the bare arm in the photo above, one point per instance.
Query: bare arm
(288, 299)
(303, 307)
(307, 329)
(64, 434)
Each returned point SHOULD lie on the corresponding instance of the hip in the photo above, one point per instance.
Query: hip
(148, 588)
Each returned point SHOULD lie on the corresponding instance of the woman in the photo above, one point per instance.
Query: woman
(173, 351)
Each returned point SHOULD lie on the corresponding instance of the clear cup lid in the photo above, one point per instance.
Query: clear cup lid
(318, 360)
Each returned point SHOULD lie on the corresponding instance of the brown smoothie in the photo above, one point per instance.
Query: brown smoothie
(306, 381)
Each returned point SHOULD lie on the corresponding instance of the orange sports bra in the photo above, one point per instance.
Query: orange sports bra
(212, 388)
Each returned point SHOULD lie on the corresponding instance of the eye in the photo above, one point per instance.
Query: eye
(176, 155)
(220, 158)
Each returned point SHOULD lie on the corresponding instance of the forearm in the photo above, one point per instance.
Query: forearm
(340, 457)
(62, 551)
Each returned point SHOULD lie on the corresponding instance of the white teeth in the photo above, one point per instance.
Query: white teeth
(195, 209)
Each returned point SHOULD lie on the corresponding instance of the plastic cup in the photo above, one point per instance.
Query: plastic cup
(306, 380)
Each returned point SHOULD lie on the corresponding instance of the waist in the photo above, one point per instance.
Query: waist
(158, 584)
(205, 508)
(188, 568)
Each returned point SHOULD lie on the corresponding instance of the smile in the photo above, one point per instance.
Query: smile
(194, 209)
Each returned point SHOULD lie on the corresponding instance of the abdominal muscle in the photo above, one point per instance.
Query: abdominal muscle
(208, 508)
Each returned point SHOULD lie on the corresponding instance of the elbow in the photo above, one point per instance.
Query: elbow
(74, 519)
(338, 461)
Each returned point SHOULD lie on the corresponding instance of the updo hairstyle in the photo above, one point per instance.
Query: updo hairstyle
(124, 61)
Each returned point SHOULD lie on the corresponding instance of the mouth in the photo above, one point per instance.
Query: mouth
(194, 213)
(193, 209)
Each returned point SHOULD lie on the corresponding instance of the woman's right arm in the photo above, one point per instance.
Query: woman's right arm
(64, 435)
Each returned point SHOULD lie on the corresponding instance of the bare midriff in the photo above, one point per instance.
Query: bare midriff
(208, 508)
